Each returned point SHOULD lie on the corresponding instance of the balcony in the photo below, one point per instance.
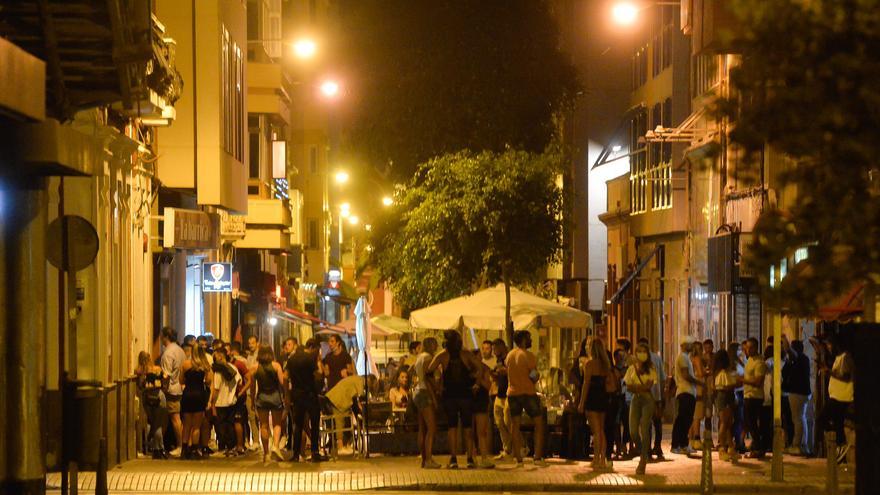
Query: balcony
(268, 213)
(265, 238)
(267, 91)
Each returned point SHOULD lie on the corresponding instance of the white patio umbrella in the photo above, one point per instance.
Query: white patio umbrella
(485, 311)
(365, 363)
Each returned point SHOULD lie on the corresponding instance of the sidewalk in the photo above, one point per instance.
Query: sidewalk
(248, 475)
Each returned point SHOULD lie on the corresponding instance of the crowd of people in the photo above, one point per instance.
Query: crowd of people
(252, 401)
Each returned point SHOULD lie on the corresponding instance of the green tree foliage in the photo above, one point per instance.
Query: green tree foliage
(808, 87)
(440, 76)
(470, 220)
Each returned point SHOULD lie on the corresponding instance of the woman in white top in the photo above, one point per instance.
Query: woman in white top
(640, 378)
(726, 379)
(840, 397)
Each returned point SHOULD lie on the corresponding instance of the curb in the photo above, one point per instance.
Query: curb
(786, 489)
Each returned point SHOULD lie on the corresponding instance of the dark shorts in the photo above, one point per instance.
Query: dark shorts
(422, 399)
(724, 399)
(240, 410)
(458, 410)
(531, 404)
(481, 401)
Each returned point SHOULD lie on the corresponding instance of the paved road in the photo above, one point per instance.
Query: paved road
(249, 475)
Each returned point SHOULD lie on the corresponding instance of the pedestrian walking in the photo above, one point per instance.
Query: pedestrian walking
(522, 396)
(598, 378)
(640, 379)
(840, 396)
(796, 376)
(725, 381)
(198, 379)
(151, 382)
(657, 394)
(458, 369)
(685, 397)
(753, 390)
(172, 360)
(425, 400)
(268, 378)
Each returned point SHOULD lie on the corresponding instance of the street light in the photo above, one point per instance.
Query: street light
(341, 177)
(330, 89)
(625, 13)
(353, 220)
(305, 48)
(272, 321)
(387, 201)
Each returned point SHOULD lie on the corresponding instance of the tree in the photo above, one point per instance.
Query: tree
(429, 78)
(470, 220)
(807, 86)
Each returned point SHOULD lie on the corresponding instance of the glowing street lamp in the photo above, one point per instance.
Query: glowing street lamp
(342, 177)
(353, 219)
(305, 48)
(330, 89)
(272, 321)
(387, 201)
(625, 13)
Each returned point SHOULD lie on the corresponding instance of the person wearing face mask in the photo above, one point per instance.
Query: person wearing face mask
(640, 379)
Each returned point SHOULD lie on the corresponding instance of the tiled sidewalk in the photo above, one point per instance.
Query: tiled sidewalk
(248, 475)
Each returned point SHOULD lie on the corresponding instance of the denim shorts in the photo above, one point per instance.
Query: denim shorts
(531, 404)
(422, 399)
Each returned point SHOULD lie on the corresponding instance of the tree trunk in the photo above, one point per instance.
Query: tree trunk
(508, 323)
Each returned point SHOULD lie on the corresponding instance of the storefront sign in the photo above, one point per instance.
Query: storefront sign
(190, 229)
(232, 226)
(216, 277)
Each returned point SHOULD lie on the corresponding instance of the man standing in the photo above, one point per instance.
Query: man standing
(796, 374)
(241, 411)
(303, 371)
(172, 360)
(338, 363)
(522, 374)
(685, 398)
(657, 393)
(253, 346)
(486, 354)
(499, 387)
(753, 391)
(287, 350)
(223, 400)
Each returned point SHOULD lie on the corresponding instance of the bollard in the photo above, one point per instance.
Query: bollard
(776, 465)
(830, 463)
(101, 471)
(707, 484)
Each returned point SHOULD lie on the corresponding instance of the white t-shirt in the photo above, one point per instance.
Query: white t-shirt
(840, 390)
(634, 377)
(684, 368)
(226, 388)
(755, 367)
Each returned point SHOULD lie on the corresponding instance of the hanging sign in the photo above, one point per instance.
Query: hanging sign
(216, 277)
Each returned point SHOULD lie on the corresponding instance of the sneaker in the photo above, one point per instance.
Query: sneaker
(207, 451)
(431, 464)
(688, 451)
(175, 452)
(453, 463)
(540, 462)
(470, 463)
(842, 450)
(676, 450)
(316, 458)
(275, 454)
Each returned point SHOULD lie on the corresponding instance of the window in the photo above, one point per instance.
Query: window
(640, 67)
(232, 89)
(313, 159)
(314, 241)
(664, 32)
(638, 164)
(705, 74)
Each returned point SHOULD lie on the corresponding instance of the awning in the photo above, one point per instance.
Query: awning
(846, 307)
(632, 276)
(294, 316)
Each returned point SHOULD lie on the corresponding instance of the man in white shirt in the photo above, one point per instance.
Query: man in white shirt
(685, 397)
(172, 361)
(753, 393)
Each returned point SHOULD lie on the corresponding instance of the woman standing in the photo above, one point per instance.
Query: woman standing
(197, 380)
(640, 379)
(481, 416)
(269, 400)
(151, 382)
(594, 400)
(725, 381)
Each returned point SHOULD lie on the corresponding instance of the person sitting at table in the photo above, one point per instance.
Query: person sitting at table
(399, 394)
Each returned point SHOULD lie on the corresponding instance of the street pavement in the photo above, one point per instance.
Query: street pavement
(678, 474)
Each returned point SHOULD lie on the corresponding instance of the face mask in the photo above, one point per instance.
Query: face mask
(641, 356)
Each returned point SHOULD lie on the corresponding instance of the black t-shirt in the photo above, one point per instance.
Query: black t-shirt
(301, 368)
(336, 363)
